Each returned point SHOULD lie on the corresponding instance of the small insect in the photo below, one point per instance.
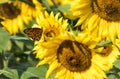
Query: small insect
(34, 33)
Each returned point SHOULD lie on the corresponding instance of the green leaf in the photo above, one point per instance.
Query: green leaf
(117, 64)
(118, 73)
(10, 73)
(38, 72)
(9, 45)
(23, 40)
(4, 40)
(18, 38)
(20, 44)
(104, 43)
(52, 76)
(65, 8)
(111, 76)
(46, 4)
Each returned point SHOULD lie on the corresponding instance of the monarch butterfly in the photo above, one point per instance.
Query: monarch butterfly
(34, 33)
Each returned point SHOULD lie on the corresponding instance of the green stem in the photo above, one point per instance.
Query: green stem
(1, 60)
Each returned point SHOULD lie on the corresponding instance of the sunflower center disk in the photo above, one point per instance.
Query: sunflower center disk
(107, 9)
(74, 56)
(106, 50)
(8, 11)
(51, 31)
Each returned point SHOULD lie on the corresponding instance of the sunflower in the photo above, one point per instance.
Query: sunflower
(32, 8)
(17, 13)
(13, 19)
(52, 25)
(100, 17)
(74, 57)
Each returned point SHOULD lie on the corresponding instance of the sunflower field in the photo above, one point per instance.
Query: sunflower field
(59, 39)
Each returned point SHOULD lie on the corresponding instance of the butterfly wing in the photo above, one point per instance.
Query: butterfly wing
(34, 33)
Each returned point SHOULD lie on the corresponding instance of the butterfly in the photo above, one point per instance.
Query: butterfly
(34, 33)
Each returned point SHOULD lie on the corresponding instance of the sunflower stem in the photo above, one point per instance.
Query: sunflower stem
(1, 60)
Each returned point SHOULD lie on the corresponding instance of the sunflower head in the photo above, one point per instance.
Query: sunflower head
(52, 25)
(76, 56)
(13, 18)
(100, 17)
(18, 13)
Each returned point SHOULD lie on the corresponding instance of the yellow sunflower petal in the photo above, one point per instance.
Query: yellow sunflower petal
(52, 67)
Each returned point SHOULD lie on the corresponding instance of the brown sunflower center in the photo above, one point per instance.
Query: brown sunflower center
(51, 31)
(107, 9)
(74, 56)
(106, 50)
(9, 11)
